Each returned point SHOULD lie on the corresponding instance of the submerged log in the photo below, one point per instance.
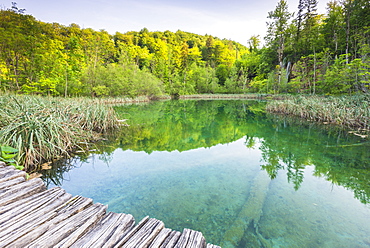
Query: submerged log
(250, 213)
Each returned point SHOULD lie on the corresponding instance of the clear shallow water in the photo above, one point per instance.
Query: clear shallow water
(240, 177)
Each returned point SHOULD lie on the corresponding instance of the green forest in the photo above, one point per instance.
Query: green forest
(303, 52)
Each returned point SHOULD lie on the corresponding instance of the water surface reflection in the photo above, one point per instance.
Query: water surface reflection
(243, 178)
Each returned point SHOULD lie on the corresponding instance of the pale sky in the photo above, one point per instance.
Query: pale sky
(237, 20)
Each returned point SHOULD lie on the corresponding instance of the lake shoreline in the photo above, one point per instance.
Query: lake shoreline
(351, 112)
(348, 111)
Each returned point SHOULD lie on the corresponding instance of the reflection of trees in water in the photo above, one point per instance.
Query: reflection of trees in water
(291, 145)
(58, 173)
(186, 125)
(287, 144)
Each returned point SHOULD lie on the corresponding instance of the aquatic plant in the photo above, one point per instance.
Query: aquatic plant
(350, 111)
(42, 129)
(7, 155)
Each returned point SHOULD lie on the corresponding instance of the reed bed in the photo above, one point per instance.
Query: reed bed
(43, 129)
(248, 96)
(349, 111)
(124, 100)
(121, 100)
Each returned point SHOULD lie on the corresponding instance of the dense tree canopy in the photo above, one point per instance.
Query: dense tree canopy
(326, 54)
(303, 53)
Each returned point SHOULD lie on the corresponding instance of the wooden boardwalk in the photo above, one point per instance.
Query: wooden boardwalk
(33, 216)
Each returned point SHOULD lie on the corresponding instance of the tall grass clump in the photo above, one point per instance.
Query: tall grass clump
(349, 111)
(43, 129)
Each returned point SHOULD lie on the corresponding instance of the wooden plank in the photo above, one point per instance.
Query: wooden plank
(171, 240)
(183, 240)
(145, 235)
(13, 174)
(82, 223)
(142, 234)
(121, 231)
(28, 200)
(196, 240)
(161, 237)
(69, 230)
(17, 212)
(191, 239)
(107, 232)
(72, 207)
(25, 233)
(11, 189)
(19, 191)
(19, 227)
(132, 232)
(12, 182)
(4, 171)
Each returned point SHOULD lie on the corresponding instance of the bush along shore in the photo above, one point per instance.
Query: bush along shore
(350, 111)
(43, 129)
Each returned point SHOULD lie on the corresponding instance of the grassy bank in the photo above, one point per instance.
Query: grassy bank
(43, 128)
(350, 111)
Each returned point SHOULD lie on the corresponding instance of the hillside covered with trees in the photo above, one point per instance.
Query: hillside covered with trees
(305, 52)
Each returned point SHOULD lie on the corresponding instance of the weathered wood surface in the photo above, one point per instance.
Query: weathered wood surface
(33, 216)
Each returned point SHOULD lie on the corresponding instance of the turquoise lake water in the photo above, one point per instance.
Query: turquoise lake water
(225, 168)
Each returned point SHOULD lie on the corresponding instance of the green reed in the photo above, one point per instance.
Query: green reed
(349, 111)
(43, 128)
(223, 96)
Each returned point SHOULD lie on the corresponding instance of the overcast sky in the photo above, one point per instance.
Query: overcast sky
(237, 20)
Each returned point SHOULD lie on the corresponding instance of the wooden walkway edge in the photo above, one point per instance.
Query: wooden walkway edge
(33, 216)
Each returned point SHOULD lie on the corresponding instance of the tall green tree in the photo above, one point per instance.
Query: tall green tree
(19, 37)
(333, 28)
(277, 33)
